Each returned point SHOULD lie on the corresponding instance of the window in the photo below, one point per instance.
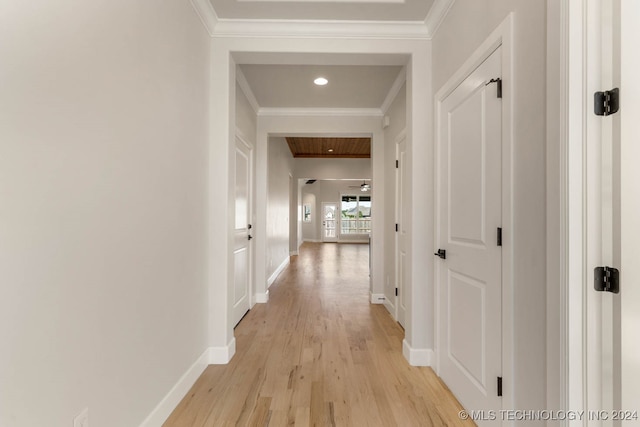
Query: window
(355, 215)
(306, 213)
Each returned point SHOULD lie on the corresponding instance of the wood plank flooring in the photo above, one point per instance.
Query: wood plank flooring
(319, 354)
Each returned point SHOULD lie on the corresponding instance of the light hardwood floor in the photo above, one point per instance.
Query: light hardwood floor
(319, 354)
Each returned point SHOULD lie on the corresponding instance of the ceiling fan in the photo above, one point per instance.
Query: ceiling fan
(365, 186)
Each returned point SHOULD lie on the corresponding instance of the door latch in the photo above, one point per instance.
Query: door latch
(441, 253)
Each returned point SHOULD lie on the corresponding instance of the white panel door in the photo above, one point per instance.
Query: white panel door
(242, 232)
(469, 215)
(401, 234)
(330, 222)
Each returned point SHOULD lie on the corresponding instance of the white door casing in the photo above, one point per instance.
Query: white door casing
(613, 380)
(401, 233)
(601, 195)
(629, 154)
(469, 279)
(242, 248)
(598, 243)
(330, 214)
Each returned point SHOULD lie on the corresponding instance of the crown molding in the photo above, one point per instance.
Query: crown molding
(218, 27)
(207, 15)
(320, 29)
(395, 89)
(320, 112)
(436, 15)
(246, 89)
(326, 1)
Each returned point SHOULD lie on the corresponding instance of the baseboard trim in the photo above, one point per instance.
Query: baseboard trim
(293, 253)
(391, 308)
(222, 355)
(377, 298)
(262, 297)
(276, 273)
(312, 240)
(417, 356)
(166, 406)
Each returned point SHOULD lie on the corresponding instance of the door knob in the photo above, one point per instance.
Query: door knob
(441, 253)
(249, 237)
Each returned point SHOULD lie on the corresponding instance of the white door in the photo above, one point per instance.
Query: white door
(401, 233)
(329, 222)
(469, 216)
(242, 231)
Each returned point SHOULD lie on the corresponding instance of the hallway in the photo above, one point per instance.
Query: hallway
(318, 353)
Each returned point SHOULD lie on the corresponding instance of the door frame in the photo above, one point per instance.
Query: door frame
(501, 36)
(567, 277)
(575, 75)
(402, 136)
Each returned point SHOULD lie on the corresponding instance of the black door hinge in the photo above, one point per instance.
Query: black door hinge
(396, 227)
(499, 236)
(396, 291)
(498, 81)
(397, 164)
(606, 279)
(606, 103)
(499, 386)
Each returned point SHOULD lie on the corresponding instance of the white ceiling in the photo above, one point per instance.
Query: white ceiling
(291, 86)
(340, 10)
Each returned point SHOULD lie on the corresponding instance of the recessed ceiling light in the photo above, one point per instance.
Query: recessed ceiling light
(321, 81)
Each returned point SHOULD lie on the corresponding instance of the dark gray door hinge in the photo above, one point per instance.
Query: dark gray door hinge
(498, 82)
(396, 227)
(499, 386)
(397, 164)
(396, 291)
(606, 103)
(606, 279)
(499, 237)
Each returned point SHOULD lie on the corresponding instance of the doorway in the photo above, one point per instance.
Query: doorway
(329, 222)
(401, 236)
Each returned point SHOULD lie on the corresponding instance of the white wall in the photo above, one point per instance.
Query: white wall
(333, 168)
(397, 114)
(103, 212)
(246, 117)
(280, 167)
(468, 23)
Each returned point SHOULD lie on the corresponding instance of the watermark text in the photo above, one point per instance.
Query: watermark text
(546, 415)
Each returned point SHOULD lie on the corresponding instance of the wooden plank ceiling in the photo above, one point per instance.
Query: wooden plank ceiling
(336, 148)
